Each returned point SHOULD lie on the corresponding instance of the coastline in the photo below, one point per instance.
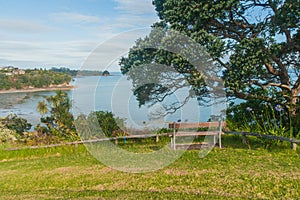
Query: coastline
(54, 88)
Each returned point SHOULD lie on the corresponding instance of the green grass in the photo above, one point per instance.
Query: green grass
(234, 172)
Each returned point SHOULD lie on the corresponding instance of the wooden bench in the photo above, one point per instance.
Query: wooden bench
(184, 130)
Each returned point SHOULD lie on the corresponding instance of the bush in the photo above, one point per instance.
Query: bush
(15, 123)
(110, 125)
(263, 118)
(100, 122)
(6, 135)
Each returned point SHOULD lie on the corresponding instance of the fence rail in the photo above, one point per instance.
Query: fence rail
(92, 141)
(293, 141)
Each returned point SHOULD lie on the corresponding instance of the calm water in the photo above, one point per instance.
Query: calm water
(111, 93)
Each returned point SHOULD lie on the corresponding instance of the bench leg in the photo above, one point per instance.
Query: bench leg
(220, 134)
(215, 140)
(174, 144)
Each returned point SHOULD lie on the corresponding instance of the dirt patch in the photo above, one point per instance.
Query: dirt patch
(94, 170)
(178, 172)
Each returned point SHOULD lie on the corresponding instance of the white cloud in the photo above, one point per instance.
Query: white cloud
(75, 17)
(48, 50)
(23, 26)
(135, 6)
(45, 54)
(131, 14)
(108, 53)
(88, 54)
(132, 21)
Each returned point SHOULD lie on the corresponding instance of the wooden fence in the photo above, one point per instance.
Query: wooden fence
(293, 141)
(76, 143)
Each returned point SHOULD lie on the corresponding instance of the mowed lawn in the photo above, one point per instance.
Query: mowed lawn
(233, 172)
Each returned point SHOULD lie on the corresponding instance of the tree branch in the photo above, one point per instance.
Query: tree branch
(279, 85)
(244, 96)
(296, 89)
(271, 69)
(228, 28)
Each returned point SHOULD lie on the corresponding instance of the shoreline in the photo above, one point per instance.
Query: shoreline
(63, 88)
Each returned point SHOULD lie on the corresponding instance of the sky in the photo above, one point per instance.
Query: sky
(56, 33)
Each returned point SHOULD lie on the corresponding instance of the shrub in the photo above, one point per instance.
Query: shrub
(6, 135)
(262, 117)
(100, 122)
(15, 123)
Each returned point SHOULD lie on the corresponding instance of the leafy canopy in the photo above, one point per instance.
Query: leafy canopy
(254, 43)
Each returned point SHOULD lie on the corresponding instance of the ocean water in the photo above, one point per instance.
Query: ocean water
(109, 93)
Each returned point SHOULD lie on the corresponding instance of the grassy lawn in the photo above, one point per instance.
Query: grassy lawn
(233, 172)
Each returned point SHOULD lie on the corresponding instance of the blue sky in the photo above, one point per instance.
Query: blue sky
(47, 33)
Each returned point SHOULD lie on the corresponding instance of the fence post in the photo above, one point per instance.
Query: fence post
(294, 145)
(157, 138)
(244, 138)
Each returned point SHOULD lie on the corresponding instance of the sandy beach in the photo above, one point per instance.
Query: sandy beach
(69, 87)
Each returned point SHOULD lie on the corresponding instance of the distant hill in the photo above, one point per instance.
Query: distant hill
(14, 78)
(73, 72)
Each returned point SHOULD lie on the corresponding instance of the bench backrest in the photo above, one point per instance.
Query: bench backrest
(196, 125)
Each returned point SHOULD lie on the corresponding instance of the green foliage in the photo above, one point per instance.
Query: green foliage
(105, 73)
(65, 71)
(254, 43)
(57, 117)
(6, 134)
(158, 68)
(15, 123)
(264, 118)
(37, 78)
(109, 124)
(164, 130)
(74, 73)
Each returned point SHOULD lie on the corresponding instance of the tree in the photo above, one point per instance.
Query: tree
(166, 62)
(57, 116)
(105, 73)
(255, 43)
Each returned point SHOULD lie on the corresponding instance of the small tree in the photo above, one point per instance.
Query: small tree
(57, 117)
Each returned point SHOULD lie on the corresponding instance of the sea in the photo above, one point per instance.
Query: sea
(115, 94)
